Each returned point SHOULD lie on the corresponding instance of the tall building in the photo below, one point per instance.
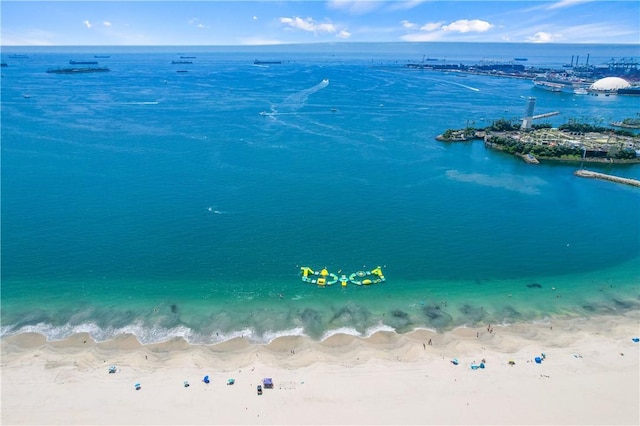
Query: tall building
(528, 115)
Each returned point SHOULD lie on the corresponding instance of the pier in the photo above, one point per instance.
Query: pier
(617, 179)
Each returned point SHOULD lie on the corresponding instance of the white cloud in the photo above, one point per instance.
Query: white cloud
(541, 37)
(255, 18)
(408, 25)
(431, 26)
(423, 36)
(468, 26)
(87, 23)
(308, 25)
(106, 23)
(566, 3)
(432, 31)
(343, 34)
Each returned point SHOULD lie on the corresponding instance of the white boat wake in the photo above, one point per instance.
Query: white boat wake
(297, 100)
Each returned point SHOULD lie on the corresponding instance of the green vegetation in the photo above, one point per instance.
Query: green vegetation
(513, 146)
(503, 125)
(575, 126)
(625, 154)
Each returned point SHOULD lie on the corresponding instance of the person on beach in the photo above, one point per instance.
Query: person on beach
(430, 343)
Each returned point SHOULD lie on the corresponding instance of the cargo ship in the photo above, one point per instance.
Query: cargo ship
(83, 62)
(555, 83)
(77, 70)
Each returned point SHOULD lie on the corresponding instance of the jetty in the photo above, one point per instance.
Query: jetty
(611, 178)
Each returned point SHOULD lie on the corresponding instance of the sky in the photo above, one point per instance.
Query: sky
(265, 22)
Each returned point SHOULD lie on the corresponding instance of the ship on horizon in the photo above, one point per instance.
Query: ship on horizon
(257, 62)
(83, 62)
(77, 70)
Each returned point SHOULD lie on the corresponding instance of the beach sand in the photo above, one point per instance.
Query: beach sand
(590, 375)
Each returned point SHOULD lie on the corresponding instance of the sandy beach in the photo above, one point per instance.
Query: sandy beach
(589, 374)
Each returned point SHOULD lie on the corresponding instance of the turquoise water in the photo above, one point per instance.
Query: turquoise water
(161, 203)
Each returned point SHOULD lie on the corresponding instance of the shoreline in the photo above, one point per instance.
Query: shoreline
(589, 376)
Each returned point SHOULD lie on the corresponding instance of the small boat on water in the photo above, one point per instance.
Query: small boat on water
(530, 158)
(83, 62)
(181, 62)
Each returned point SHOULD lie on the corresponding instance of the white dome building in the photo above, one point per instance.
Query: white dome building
(609, 84)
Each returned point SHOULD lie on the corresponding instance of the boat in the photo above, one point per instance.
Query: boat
(77, 70)
(548, 85)
(257, 62)
(580, 91)
(321, 278)
(15, 56)
(560, 83)
(101, 56)
(520, 59)
(181, 62)
(633, 90)
(375, 276)
(83, 62)
(187, 57)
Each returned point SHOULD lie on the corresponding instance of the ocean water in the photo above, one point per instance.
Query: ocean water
(163, 203)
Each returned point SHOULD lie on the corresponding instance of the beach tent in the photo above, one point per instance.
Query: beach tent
(206, 379)
(267, 382)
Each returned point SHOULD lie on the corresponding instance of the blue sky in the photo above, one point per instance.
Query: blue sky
(197, 23)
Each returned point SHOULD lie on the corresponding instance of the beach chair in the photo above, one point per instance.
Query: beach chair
(112, 369)
(186, 384)
(137, 386)
(230, 381)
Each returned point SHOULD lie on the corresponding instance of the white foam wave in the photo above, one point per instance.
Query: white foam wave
(349, 331)
(270, 336)
(378, 328)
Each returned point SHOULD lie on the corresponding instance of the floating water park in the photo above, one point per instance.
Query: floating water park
(325, 278)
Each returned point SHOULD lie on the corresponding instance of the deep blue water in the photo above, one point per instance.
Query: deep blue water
(162, 203)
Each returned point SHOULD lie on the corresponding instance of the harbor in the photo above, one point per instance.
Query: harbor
(595, 175)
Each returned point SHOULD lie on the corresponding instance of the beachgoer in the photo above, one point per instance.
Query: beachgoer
(424, 346)
(430, 343)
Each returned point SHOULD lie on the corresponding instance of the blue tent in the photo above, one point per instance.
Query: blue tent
(267, 382)
(206, 379)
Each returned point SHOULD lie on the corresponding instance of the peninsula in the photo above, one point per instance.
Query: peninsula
(572, 141)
